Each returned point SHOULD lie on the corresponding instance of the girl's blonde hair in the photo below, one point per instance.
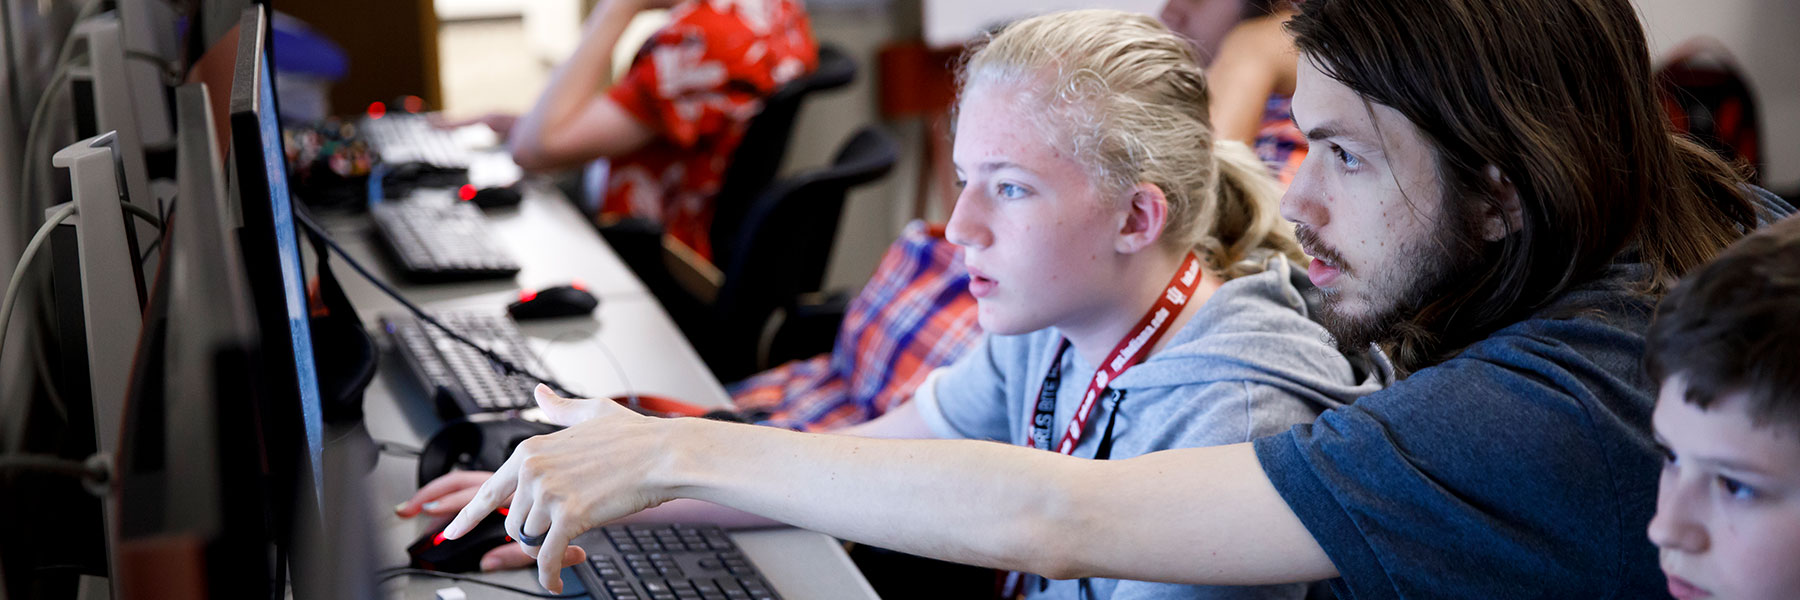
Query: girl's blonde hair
(1128, 98)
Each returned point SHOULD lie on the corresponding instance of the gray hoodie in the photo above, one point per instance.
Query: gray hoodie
(1249, 363)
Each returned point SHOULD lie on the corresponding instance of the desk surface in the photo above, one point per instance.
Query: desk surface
(628, 345)
(554, 244)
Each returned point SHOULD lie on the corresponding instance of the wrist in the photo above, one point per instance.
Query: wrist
(678, 472)
(612, 10)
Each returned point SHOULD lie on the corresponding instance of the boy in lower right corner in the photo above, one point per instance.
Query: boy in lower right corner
(1725, 347)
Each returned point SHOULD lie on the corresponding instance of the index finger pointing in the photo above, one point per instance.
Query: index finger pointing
(502, 484)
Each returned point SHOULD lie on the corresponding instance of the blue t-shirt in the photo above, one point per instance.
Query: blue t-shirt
(1521, 468)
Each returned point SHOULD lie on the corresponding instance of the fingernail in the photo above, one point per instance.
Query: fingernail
(489, 564)
(430, 505)
(400, 508)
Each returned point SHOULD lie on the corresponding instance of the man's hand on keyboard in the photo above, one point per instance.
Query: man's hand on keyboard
(599, 469)
(446, 495)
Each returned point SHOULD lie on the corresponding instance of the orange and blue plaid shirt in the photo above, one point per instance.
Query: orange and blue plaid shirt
(1280, 144)
(915, 315)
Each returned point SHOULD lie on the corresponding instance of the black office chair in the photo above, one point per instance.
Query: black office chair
(758, 156)
(640, 243)
(778, 256)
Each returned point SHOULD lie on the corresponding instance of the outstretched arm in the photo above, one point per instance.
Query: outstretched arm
(1204, 515)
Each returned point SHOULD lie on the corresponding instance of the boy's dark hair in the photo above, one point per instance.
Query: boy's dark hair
(1734, 325)
(1556, 95)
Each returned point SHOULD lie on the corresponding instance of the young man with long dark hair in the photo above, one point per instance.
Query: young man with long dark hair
(1493, 197)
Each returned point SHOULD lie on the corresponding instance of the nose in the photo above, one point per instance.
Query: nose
(1675, 527)
(967, 226)
(1302, 203)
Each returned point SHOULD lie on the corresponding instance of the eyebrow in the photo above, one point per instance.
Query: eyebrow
(996, 165)
(1726, 464)
(1326, 130)
(1322, 132)
(1316, 133)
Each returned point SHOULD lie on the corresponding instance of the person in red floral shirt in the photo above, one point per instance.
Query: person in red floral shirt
(670, 124)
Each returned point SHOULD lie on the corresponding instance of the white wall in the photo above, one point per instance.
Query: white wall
(873, 214)
(1765, 37)
(951, 22)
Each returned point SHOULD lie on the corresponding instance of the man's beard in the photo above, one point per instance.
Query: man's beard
(1439, 263)
(1388, 318)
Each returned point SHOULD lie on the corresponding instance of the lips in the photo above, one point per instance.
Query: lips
(1322, 273)
(1681, 589)
(980, 285)
(1326, 265)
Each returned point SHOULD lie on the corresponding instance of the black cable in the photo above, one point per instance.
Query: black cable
(505, 365)
(386, 574)
(149, 250)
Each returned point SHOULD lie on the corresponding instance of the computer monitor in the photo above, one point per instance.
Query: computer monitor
(106, 98)
(97, 291)
(192, 499)
(95, 302)
(151, 34)
(271, 252)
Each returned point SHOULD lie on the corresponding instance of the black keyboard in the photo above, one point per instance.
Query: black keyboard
(406, 138)
(668, 562)
(441, 241)
(461, 380)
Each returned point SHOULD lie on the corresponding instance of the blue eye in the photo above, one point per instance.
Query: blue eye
(1008, 190)
(1350, 161)
(1737, 489)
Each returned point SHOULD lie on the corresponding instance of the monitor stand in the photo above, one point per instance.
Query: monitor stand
(108, 300)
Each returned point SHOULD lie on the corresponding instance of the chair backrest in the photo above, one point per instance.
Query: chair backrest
(785, 244)
(1708, 96)
(758, 156)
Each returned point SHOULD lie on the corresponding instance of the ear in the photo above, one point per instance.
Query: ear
(1146, 212)
(1497, 224)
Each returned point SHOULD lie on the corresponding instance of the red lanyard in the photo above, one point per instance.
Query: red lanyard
(1127, 354)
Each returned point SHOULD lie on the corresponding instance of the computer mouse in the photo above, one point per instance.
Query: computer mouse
(559, 301)
(497, 197)
(463, 554)
(475, 445)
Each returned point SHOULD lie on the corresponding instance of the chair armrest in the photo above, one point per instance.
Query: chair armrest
(808, 328)
(693, 273)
